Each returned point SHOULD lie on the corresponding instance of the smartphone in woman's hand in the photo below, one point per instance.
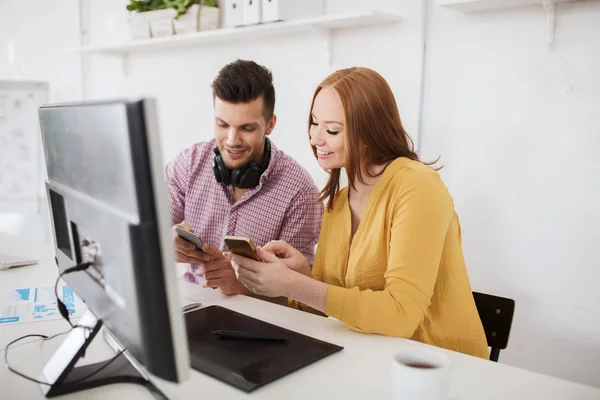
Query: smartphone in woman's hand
(242, 246)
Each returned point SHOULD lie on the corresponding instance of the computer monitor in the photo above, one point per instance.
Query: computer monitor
(109, 206)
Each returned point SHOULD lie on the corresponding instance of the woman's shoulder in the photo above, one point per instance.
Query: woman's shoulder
(405, 175)
(406, 166)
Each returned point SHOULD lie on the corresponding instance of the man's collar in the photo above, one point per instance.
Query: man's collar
(275, 153)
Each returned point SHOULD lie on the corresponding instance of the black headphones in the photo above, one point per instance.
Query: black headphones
(246, 177)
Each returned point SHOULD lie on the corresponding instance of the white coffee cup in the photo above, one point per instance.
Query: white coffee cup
(420, 374)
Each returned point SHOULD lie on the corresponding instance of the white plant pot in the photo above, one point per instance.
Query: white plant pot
(161, 22)
(149, 24)
(210, 18)
(139, 27)
(188, 22)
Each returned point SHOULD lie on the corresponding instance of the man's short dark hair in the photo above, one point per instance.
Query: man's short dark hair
(243, 81)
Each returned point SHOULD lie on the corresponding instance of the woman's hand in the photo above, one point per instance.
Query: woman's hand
(270, 278)
(291, 257)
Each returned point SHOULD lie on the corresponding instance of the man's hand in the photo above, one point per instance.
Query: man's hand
(186, 252)
(219, 273)
(291, 257)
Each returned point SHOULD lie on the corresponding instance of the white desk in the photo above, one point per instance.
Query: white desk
(361, 370)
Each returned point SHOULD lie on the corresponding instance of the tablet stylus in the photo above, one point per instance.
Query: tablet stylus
(247, 335)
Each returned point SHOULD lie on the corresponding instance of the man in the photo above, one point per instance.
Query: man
(240, 184)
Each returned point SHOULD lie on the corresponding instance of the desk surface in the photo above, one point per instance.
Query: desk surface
(361, 370)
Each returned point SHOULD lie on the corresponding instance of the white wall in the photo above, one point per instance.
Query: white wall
(33, 44)
(180, 78)
(518, 130)
(32, 48)
(516, 127)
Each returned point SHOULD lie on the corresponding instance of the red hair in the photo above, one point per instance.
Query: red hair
(374, 132)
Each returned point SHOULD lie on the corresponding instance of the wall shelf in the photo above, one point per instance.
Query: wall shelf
(323, 25)
(471, 6)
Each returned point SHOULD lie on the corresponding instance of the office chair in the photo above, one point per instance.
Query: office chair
(496, 315)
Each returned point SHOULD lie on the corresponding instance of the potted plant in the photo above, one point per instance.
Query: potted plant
(195, 15)
(152, 18)
(210, 15)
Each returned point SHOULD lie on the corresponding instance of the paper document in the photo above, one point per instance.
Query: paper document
(37, 304)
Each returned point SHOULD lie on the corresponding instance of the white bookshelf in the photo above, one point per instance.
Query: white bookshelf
(323, 25)
(471, 6)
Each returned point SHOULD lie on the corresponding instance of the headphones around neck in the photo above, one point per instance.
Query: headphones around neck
(248, 176)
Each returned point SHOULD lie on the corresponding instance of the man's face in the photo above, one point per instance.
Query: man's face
(240, 131)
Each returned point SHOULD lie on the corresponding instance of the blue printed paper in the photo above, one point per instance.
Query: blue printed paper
(37, 304)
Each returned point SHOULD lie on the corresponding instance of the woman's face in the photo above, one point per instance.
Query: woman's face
(327, 132)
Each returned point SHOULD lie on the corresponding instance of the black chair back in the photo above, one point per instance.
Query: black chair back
(496, 315)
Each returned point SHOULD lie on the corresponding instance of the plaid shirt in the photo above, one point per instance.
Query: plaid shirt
(283, 206)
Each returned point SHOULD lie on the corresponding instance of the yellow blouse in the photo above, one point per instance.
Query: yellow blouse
(403, 273)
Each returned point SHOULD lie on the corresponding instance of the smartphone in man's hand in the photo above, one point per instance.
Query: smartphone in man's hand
(189, 236)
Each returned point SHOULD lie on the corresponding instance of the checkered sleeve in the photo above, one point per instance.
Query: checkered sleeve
(302, 224)
(177, 177)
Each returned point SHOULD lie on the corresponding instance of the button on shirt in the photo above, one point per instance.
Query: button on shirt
(284, 206)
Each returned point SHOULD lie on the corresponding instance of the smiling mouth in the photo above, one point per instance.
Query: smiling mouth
(235, 151)
(324, 153)
(235, 154)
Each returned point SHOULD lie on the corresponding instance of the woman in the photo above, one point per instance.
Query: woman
(389, 258)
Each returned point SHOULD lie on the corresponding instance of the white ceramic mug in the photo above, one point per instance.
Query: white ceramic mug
(420, 374)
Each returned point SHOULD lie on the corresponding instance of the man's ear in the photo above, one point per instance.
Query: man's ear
(271, 125)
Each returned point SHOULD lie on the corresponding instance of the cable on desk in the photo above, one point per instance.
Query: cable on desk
(65, 314)
(44, 337)
(61, 306)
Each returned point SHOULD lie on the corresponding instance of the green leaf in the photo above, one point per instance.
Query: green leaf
(146, 5)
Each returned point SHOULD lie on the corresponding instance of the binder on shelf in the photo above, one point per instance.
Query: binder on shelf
(285, 10)
(252, 13)
(233, 13)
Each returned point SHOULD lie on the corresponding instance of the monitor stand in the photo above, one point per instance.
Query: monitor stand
(62, 375)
